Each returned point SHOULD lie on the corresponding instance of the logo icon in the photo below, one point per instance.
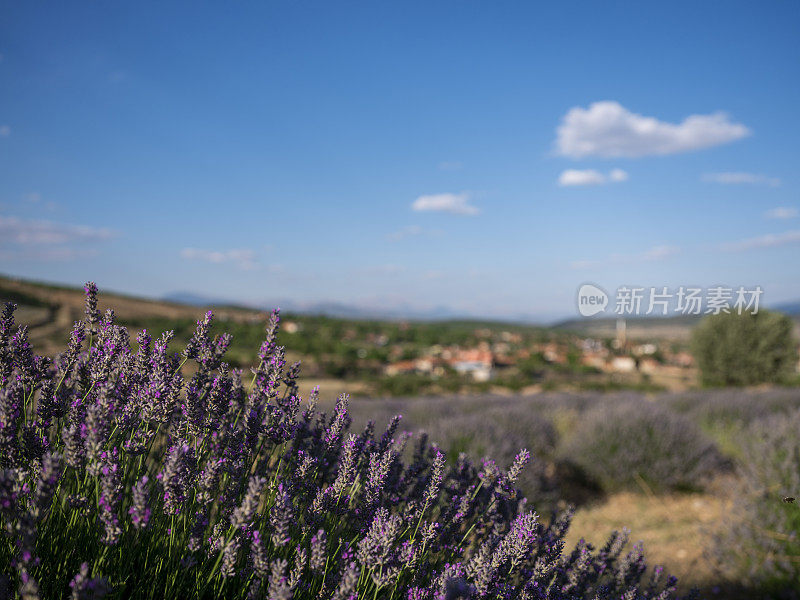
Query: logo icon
(591, 300)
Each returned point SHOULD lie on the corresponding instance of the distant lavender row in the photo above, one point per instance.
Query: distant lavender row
(640, 444)
(119, 477)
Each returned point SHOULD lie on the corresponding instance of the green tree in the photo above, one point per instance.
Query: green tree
(746, 349)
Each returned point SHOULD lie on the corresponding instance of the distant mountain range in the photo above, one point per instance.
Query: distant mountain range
(342, 310)
(330, 309)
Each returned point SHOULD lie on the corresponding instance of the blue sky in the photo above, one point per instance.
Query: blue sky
(485, 156)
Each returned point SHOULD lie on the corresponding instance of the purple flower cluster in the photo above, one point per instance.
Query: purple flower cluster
(215, 487)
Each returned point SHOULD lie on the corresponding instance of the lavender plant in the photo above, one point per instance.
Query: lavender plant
(638, 443)
(122, 477)
(761, 542)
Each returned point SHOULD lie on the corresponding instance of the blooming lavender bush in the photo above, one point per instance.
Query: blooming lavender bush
(761, 545)
(120, 477)
(629, 444)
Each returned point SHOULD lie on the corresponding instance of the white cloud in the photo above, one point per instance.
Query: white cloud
(782, 212)
(241, 258)
(23, 231)
(578, 177)
(26, 239)
(46, 253)
(618, 175)
(573, 177)
(607, 129)
(457, 204)
(766, 241)
(659, 252)
(5, 131)
(653, 254)
(738, 178)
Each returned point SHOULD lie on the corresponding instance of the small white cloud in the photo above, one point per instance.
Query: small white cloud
(738, 178)
(659, 252)
(457, 204)
(782, 212)
(653, 254)
(765, 241)
(451, 165)
(578, 177)
(618, 175)
(46, 253)
(5, 131)
(24, 239)
(32, 197)
(241, 258)
(23, 231)
(609, 130)
(574, 177)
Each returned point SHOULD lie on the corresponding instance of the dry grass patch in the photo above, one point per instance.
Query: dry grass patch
(675, 528)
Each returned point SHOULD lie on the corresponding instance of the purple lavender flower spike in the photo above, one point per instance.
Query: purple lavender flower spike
(140, 509)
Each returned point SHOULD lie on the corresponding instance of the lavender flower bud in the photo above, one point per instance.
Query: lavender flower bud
(279, 588)
(300, 560)
(268, 346)
(84, 588)
(319, 552)
(280, 517)
(198, 344)
(347, 465)
(388, 435)
(243, 515)
(437, 475)
(74, 448)
(509, 481)
(338, 422)
(110, 497)
(230, 554)
(348, 583)
(139, 510)
(28, 588)
(176, 476)
(207, 482)
(47, 484)
(376, 477)
(92, 314)
(6, 325)
(375, 551)
(258, 556)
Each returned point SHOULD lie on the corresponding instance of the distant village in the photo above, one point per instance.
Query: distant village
(491, 355)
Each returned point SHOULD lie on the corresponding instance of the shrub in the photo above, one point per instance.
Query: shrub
(624, 444)
(746, 349)
(118, 477)
(762, 542)
(733, 406)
